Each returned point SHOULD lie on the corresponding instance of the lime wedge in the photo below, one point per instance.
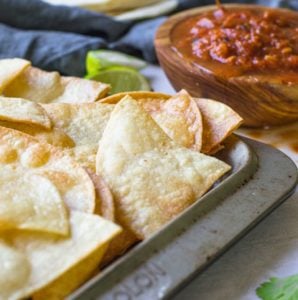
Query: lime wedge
(101, 59)
(122, 79)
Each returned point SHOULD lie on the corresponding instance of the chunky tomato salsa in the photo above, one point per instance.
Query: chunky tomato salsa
(248, 38)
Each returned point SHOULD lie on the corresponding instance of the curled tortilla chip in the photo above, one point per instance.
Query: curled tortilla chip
(179, 117)
(10, 69)
(139, 96)
(23, 111)
(22, 153)
(104, 198)
(54, 260)
(105, 207)
(152, 178)
(31, 202)
(219, 121)
(48, 87)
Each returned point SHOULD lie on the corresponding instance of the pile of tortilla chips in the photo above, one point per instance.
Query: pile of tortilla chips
(83, 177)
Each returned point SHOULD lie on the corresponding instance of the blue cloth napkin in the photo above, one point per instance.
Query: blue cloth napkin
(58, 37)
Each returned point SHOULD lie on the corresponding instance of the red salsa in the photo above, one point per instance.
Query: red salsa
(253, 40)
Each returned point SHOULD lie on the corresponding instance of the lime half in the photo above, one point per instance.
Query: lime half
(122, 79)
(99, 60)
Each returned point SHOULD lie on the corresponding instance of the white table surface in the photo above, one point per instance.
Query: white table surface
(269, 250)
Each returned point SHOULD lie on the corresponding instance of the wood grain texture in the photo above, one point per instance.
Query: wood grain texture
(260, 100)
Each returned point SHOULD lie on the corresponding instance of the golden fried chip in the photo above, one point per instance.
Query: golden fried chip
(53, 260)
(48, 87)
(105, 207)
(31, 202)
(179, 117)
(23, 154)
(10, 69)
(14, 270)
(219, 121)
(104, 198)
(152, 178)
(23, 111)
(118, 246)
(83, 123)
(85, 156)
(54, 136)
(74, 278)
(139, 96)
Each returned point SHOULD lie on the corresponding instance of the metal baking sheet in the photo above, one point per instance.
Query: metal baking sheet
(262, 178)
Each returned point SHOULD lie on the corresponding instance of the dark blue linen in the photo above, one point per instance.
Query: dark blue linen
(58, 37)
(49, 50)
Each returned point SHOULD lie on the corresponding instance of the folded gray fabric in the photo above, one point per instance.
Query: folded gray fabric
(58, 37)
(36, 14)
(49, 50)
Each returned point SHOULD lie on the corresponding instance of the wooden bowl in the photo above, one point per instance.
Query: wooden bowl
(261, 100)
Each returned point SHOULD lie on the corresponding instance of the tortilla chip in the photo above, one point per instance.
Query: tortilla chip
(179, 117)
(152, 178)
(140, 96)
(119, 246)
(10, 69)
(85, 156)
(73, 279)
(23, 111)
(104, 197)
(105, 207)
(31, 202)
(55, 137)
(47, 87)
(14, 270)
(22, 153)
(219, 121)
(53, 260)
(83, 123)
